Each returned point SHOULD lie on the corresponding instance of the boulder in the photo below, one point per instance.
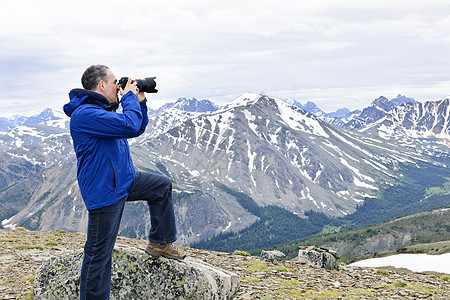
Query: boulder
(137, 275)
(319, 257)
(271, 256)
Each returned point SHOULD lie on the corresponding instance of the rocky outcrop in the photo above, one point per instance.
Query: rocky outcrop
(272, 256)
(22, 252)
(136, 275)
(319, 257)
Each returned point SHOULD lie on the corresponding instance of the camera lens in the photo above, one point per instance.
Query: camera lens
(147, 85)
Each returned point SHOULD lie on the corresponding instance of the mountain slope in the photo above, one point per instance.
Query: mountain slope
(263, 147)
(271, 151)
(426, 227)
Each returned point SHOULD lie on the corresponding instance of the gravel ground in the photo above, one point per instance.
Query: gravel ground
(22, 252)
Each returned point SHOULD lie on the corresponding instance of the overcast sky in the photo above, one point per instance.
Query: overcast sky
(337, 54)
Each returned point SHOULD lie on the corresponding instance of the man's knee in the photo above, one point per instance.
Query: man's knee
(166, 182)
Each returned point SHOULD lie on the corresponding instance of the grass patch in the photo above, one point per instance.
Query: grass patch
(251, 280)
(4, 239)
(257, 266)
(335, 294)
(51, 244)
(418, 287)
(27, 247)
(292, 289)
(443, 189)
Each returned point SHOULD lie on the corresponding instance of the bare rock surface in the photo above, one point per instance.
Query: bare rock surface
(319, 257)
(271, 256)
(137, 275)
(23, 252)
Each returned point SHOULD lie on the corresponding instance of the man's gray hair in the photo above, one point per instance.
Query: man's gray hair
(93, 75)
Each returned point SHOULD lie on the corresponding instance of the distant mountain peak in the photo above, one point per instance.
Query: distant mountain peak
(383, 103)
(194, 105)
(245, 99)
(400, 99)
(341, 112)
(310, 105)
(190, 105)
(47, 114)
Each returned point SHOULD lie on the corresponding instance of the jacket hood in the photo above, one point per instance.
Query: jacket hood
(79, 96)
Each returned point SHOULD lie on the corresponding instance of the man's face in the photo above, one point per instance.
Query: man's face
(111, 88)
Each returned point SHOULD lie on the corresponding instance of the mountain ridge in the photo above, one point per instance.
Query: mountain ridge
(395, 236)
(258, 145)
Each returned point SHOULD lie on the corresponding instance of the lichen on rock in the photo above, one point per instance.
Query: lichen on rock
(137, 275)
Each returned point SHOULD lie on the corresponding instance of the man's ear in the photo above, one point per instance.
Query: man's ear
(101, 85)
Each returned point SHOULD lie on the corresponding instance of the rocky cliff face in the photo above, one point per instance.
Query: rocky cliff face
(419, 120)
(380, 107)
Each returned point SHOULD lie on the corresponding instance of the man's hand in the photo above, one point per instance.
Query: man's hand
(129, 87)
(141, 96)
(132, 87)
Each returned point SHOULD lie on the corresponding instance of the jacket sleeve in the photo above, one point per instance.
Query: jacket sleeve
(144, 123)
(94, 120)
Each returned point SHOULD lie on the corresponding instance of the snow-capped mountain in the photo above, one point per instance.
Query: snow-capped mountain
(400, 99)
(190, 105)
(429, 120)
(31, 134)
(47, 114)
(339, 113)
(380, 107)
(271, 150)
(401, 118)
(355, 120)
(21, 130)
(310, 107)
(339, 117)
(277, 153)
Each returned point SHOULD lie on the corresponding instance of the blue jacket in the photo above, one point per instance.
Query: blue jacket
(105, 170)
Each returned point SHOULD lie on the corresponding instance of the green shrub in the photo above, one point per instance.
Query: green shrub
(382, 272)
(51, 244)
(240, 252)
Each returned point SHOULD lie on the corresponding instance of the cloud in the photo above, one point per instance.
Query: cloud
(337, 53)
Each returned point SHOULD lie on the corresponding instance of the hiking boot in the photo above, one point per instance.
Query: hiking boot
(167, 250)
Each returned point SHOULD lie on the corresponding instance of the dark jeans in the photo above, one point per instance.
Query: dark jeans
(103, 227)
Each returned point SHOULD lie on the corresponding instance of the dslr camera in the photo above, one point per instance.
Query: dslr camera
(146, 85)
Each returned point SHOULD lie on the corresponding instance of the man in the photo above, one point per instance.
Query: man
(107, 178)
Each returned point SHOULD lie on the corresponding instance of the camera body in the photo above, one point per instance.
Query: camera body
(146, 85)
